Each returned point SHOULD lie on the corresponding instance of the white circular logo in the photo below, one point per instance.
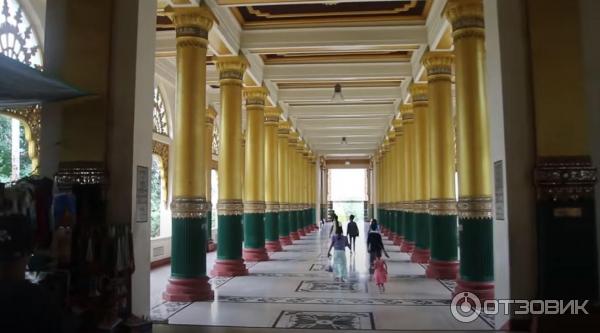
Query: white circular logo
(465, 307)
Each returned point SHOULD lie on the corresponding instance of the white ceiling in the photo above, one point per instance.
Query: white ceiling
(364, 116)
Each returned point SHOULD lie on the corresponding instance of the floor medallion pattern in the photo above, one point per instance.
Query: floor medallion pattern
(325, 320)
(331, 287)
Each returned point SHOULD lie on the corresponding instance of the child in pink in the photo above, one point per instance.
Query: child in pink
(380, 275)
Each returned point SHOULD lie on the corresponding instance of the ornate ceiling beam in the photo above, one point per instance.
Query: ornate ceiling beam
(351, 94)
(349, 38)
(343, 71)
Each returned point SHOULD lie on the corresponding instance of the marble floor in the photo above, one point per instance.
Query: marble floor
(295, 290)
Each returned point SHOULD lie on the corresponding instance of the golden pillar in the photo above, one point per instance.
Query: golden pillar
(254, 176)
(406, 111)
(283, 167)
(472, 140)
(386, 184)
(188, 280)
(210, 124)
(442, 202)
(398, 181)
(421, 164)
(230, 208)
(272, 243)
(390, 167)
(293, 185)
(301, 186)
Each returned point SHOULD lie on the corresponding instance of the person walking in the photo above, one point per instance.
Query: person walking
(352, 232)
(381, 272)
(374, 245)
(339, 242)
(335, 225)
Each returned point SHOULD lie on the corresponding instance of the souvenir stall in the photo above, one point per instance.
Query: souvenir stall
(84, 261)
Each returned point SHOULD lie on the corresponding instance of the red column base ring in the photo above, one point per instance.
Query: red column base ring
(392, 235)
(229, 268)
(285, 240)
(407, 246)
(294, 235)
(483, 290)
(301, 232)
(273, 246)
(443, 270)
(250, 254)
(398, 240)
(188, 290)
(420, 256)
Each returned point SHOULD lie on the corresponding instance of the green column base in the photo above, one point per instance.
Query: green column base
(229, 237)
(188, 248)
(476, 250)
(272, 226)
(444, 238)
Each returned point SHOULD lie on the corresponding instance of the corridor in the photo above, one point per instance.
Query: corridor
(294, 290)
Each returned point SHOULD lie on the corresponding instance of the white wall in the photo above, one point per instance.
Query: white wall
(512, 141)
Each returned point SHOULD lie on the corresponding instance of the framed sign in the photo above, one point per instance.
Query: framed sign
(142, 193)
(499, 190)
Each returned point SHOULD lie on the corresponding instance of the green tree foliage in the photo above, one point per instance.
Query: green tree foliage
(5, 149)
(155, 198)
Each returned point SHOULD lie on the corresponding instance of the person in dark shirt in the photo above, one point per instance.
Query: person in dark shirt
(24, 307)
(352, 232)
(375, 245)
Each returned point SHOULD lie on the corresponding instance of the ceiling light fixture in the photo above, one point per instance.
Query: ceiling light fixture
(347, 162)
(344, 141)
(337, 94)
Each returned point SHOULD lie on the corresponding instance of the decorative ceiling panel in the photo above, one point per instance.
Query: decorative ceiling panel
(332, 14)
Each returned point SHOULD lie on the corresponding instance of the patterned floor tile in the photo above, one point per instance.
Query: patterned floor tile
(332, 287)
(325, 320)
(162, 312)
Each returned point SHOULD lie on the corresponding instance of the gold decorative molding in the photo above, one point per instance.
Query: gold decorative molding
(162, 151)
(194, 21)
(255, 96)
(475, 208)
(211, 114)
(32, 119)
(272, 114)
(438, 65)
(418, 92)
(272, 207)
(442, 207)
(231, 68)
(420, 206)
(230, 207)
(466, 18)
(254, 207)
(283, 129)
(398, 126)
(189, 208)
(407, 113)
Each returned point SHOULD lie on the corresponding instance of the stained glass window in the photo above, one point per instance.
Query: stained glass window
(17, 38)
(159, 115)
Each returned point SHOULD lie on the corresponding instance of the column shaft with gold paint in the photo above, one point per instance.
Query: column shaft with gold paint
(398, 182)
(406, 111)
(474, 161)
(188, 280)
(442, 202)
(283, 167)
(271, 180)
(210, 123)
(301, 187)
(293, 185)
(391, 214)
(421, 164)
(254, 176)
(386, 186)
(230, 207)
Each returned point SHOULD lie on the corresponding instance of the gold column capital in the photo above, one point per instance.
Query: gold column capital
(283, 129)
(407, 113)
(391, 136)
(231, 67)
(255, 96)
(293, 137)
(466, 18)
(398, 126)
(211, 114)
(272, 114)
(197, 17)
(419, 93)
(438, 65)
